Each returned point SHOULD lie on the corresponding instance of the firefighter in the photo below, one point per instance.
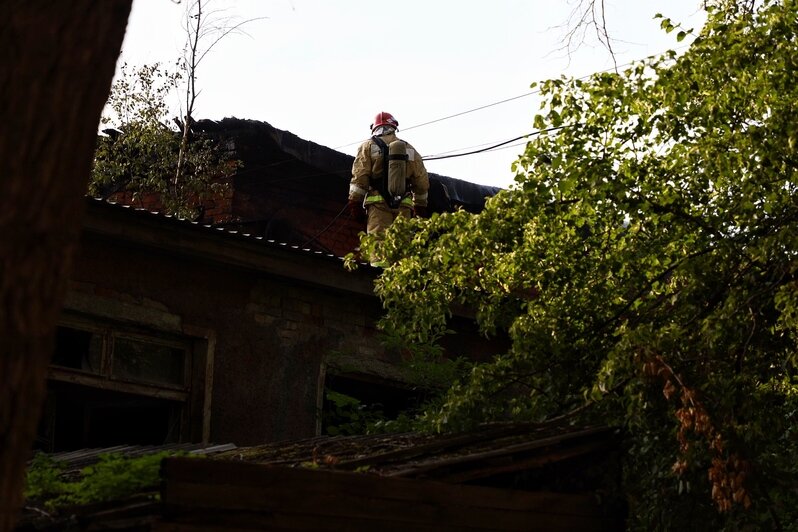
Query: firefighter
(388, 178)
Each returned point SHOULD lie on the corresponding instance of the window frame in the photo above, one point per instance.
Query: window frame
(198, 345)
(105, 377)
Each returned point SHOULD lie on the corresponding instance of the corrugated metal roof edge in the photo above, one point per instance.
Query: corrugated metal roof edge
(208, 228)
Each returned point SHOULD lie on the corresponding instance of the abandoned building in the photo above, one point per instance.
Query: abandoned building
(228, 329)
(220, 336)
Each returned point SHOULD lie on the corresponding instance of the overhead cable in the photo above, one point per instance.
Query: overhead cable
(452, 116)
(500, 145)
(486, 106)
(472, 110)
(538, 132)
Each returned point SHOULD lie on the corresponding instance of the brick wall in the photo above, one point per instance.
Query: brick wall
(273, 335)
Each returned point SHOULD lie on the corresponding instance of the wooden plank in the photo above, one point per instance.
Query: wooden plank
(200, 520)
(498, 465)
(443, 443)
(103, 383)
(231, 486)
(293, 500)
(256, 476)
(540, 445)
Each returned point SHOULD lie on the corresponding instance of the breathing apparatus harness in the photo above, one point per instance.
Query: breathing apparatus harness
(393, 181)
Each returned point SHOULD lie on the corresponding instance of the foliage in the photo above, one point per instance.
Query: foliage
(139, 152)
(43, 478)
(424, 365)
(345, 415)
(113, 477)
(425, 373)
(644, 265)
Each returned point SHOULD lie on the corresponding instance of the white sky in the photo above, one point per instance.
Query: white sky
(322, 69)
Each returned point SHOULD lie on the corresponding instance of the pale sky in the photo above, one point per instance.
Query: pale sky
(322, 69)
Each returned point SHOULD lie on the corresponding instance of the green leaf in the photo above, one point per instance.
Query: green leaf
(643, 263)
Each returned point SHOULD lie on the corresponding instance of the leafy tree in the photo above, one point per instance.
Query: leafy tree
(141, 151)
(644, 265)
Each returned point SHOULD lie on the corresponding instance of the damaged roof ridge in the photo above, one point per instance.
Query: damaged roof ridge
(312, 153)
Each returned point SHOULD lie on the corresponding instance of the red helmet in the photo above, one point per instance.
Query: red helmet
(384, 119)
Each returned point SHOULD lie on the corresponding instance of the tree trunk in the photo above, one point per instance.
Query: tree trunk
(58, 62)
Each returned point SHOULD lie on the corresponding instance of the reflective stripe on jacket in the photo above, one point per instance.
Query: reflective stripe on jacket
(407, 201)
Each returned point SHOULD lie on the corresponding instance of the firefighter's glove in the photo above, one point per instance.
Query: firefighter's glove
(356, 210)
(421, 212)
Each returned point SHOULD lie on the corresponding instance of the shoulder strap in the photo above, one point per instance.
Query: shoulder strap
(383, 182)
(384, 149)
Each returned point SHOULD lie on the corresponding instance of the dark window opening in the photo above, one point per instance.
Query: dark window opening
(78, 417)
(78, 349)
(351, 405)
(111, 384)
(155, 361)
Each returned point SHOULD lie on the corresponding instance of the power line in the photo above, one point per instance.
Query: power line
(473, 110)
(489, 148)
(486, 106)
(480, 145)
(501, 145)
(453, 116)
(494, 147)
(444, 155)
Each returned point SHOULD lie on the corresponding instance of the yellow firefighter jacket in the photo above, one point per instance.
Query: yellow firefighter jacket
(367, 170)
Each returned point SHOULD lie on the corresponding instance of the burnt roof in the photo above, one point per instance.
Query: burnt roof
(262, 146)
